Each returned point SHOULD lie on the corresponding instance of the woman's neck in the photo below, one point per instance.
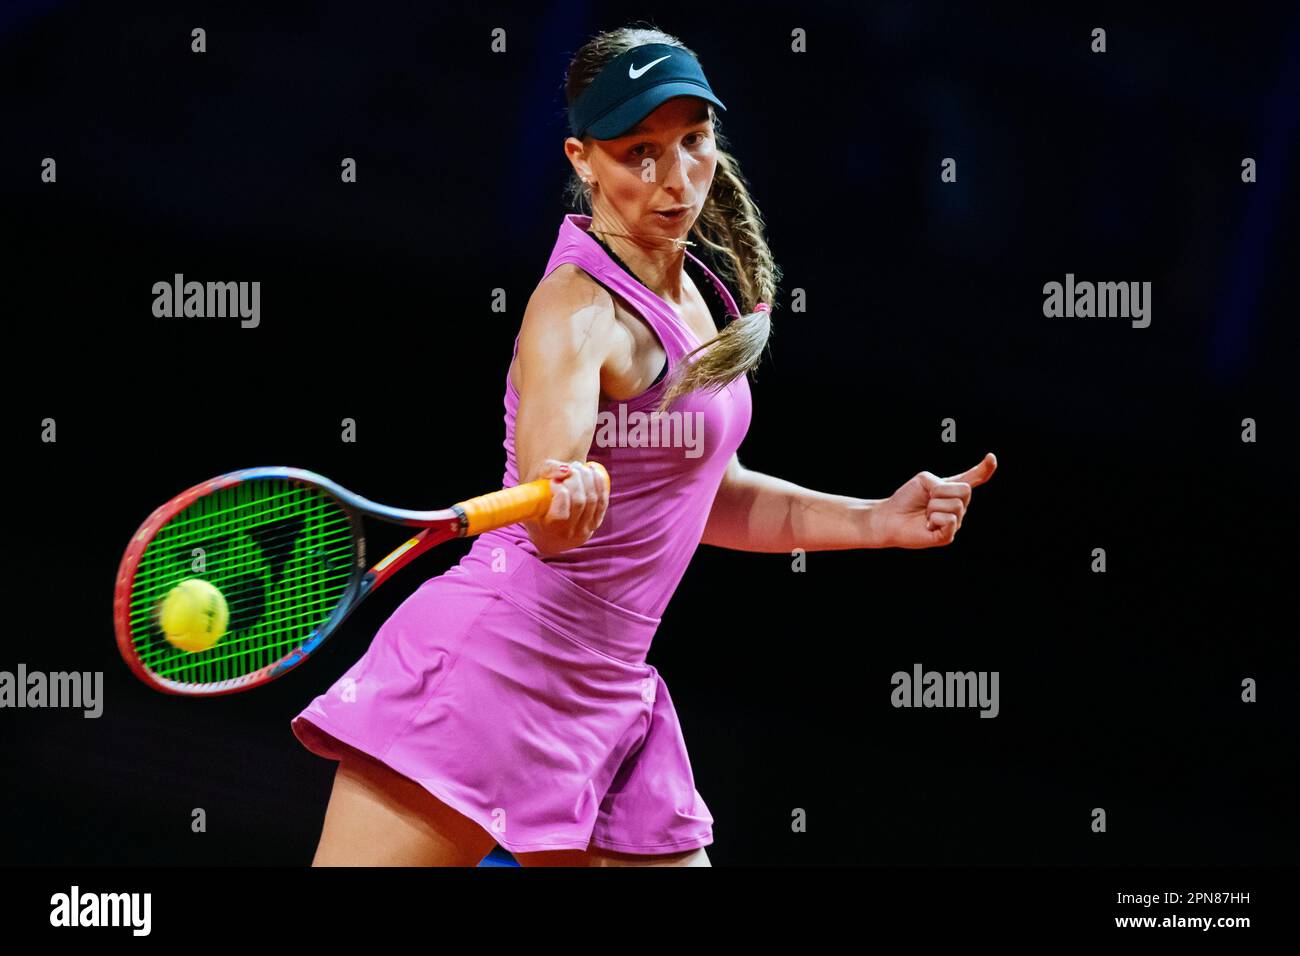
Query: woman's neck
(656, 261)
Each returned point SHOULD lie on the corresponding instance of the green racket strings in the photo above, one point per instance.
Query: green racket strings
(281, 553)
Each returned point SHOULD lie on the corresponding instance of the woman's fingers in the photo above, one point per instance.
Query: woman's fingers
(981, 472)
(953, 506)
(951, 489)
(948, 498)
(584, 502)
(943, 521)
(580, 497)
(561, 506)
(596, 489)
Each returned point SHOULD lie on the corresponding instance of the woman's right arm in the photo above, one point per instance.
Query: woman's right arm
(568, 332)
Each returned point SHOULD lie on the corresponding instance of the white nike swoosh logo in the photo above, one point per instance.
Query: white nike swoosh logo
(633, 73)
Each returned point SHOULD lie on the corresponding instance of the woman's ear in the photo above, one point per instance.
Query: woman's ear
(580, 164)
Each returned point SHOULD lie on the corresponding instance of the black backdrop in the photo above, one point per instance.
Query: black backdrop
(1118, 690)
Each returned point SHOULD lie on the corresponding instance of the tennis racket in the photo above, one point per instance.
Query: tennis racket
(284, 549)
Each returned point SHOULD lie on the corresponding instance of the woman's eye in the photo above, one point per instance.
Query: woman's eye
(694, 139)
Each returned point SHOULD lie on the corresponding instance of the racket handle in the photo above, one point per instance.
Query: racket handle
(509, 505)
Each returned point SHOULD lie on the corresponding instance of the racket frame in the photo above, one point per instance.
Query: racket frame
(438, 526)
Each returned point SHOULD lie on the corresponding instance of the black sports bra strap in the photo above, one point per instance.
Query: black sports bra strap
(712, 297)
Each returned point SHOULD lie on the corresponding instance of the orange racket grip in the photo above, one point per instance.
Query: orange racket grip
(520, 503)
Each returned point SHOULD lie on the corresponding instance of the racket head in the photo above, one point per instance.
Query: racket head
(282, 546)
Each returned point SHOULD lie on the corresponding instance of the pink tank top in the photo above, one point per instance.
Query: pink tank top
(664, 470)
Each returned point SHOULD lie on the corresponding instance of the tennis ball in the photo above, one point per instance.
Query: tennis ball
(194, 615)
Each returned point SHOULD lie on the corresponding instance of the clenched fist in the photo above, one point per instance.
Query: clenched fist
(928, 510)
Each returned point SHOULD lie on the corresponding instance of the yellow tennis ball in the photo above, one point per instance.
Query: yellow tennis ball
(194, 615)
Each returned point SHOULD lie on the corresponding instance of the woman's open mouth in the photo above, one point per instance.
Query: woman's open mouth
(677, 216)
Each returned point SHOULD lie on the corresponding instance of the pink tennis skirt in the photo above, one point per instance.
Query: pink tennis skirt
(523, 701)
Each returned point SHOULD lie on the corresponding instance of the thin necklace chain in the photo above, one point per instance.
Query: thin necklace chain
(679, 243)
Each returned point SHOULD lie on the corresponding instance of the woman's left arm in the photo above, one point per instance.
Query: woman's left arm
(757, 512)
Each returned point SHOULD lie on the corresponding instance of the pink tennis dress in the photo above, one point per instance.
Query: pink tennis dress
(515, 687)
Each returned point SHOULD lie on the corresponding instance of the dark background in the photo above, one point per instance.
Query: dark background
(1119, 690)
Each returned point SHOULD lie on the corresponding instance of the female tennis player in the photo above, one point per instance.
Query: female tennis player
(508, 701)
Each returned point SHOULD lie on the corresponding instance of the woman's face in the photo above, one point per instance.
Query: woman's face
(666, 161)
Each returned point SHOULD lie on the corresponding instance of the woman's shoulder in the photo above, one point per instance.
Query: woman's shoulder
(569, 300)
(569, 281)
